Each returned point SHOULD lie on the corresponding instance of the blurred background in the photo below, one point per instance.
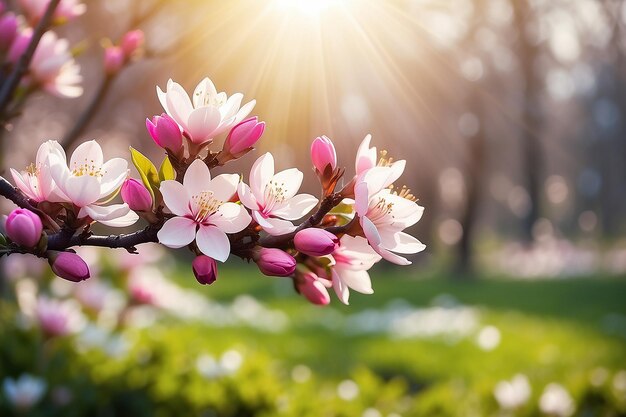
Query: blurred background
(510, 114)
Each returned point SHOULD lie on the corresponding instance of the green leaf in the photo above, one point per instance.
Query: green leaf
(147, 171)
(166, 172)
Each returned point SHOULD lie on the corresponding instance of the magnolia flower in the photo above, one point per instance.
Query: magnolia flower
(52, 65)
(90, 182)
(210, 114)
(66, 10)
(203, 211)
(383, 214)
(272, 197)
(349, 265)
(36, 181)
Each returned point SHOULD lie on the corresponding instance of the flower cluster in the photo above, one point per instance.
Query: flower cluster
(351, 226)
(52, 67)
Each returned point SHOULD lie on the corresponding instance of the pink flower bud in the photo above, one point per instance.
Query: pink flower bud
(323, 154)
(136, 195)
(132, 41)
(165, 132)
(8, 30)
(244, 135)
(19, 45)
(315, 242)
(205, 269)
(24, 227)
(275, 262)
(113, 59)
(68, 265)
(310, 286)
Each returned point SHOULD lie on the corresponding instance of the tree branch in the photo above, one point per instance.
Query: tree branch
(12, 82)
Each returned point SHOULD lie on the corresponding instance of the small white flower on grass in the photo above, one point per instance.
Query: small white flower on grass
(514, 393)
(556, 401)
(24, 392)
(488, 338)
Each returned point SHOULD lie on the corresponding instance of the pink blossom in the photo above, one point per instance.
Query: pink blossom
(52, 66)
(24, 227)
(349, 265)
(58, 318)
(203, 211)
(210, 114)
(36, 181)
(384, 214)
(66, 10)
(272, 197)
(323, 154)
(89, 182)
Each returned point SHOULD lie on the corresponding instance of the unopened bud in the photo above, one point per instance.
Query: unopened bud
(113, 59)
(244, 135)
(136, 195)
(315, 242)
(275, 262)
(205, 269)
(323, 154)
(165, 132)
(68, 265)
(24, 227)
(132, 41)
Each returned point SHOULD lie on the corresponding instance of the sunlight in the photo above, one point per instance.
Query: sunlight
(308, 8)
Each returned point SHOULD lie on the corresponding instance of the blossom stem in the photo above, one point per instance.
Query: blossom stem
(13, 80)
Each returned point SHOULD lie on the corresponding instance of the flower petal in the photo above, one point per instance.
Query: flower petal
(365, 156)
(244, 111)
(357, 280)
(83, 190)
(213, 243)
(246, 197)
(88, 153)
(178, 104)
(197, 178)
(342, 291)
(402, 243)
(261, 173)
(177, 232)
(202, 124)
(175, 197)
(289, 180)
(230, 218)
(114, 172)
(128, 219)
(297, 207)
(274, 227)
(204, 93)
(224, 186)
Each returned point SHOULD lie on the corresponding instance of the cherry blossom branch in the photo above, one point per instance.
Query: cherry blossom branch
(64, 240)
(13, 80)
